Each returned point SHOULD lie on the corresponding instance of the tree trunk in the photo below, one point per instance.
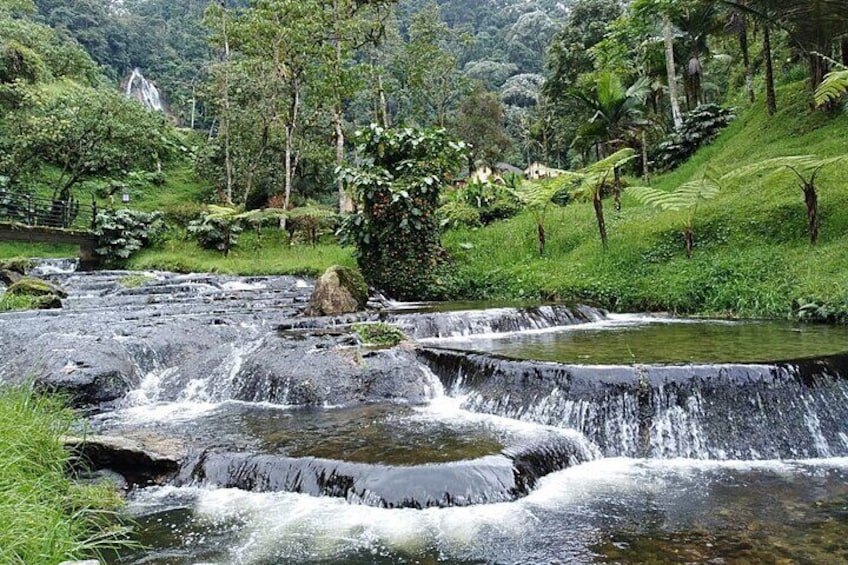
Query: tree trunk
(225, 119)
(811, 199)
(771, 97)
(290, 133)
(599, 214)
(384, 106)
(746, 59)
(345, 201)
(616, 188)
(542, 238)
(843, 44)
(668, 38)
(818, 70)
(646, 170)
(689, 235)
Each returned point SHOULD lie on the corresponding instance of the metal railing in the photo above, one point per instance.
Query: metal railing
(31, 210)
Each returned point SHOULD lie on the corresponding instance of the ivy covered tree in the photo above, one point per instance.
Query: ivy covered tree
(396, 230)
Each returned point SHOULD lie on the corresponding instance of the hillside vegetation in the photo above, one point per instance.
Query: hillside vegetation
(752, 255)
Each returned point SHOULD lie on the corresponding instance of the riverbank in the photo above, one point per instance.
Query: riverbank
(46, 517)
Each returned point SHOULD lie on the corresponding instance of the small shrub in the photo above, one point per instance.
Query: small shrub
(215, 232)
(379, 334)
(700, 127)
(123, 232)
(454, 214)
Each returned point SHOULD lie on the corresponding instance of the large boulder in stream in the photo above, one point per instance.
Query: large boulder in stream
(89, 369)
(340, 290)
(317, 371)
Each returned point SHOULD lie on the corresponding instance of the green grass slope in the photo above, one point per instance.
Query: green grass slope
(752, 255)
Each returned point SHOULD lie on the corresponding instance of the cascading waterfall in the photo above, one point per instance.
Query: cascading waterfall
(138, 87)
(770, 411)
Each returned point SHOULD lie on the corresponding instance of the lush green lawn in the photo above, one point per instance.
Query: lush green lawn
(752, 256)
(273, 255)
(46, 518)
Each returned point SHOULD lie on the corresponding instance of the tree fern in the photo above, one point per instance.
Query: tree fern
(807, 169)
(591, 181)
(687, 196)
(833, 88)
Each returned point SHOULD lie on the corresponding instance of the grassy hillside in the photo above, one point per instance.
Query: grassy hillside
(752, 255)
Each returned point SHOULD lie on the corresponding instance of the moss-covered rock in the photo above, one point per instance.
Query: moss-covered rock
(20, 265)
(380, 334)
(340, 290)
(31, 286)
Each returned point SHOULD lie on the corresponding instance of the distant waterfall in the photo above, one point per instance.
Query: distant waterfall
(138, 87)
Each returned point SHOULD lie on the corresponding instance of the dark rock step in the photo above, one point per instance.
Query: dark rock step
(490, 479)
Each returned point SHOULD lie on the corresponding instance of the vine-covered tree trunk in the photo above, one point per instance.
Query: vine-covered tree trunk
(599, 214)
(811, 199)
(844, 46)
(771, 97)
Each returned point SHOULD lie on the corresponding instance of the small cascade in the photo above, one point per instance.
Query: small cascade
(793, 410)
(44, 267)
(138, 87)
(435, 325)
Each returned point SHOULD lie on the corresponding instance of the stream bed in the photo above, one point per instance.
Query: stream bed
(549, 434)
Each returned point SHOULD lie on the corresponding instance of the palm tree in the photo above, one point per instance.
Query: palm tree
(618, 111)
(697, 21)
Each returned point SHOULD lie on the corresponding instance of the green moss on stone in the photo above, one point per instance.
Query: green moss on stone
(20, 265)
(35, 287)
(352, 280)
(380, 334)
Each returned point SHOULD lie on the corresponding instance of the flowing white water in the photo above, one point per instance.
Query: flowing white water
(568, 511)
(144, 91)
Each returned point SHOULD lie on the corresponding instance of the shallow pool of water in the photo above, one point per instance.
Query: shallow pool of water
(628, 340)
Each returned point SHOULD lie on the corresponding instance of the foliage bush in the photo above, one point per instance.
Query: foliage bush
(700, 127)
(216, 230)
(489, 202)
(396, 233)
(122, 232)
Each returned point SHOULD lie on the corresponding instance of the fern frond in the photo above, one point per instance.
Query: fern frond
(617, 159)
(834, 86)
(312, 211)
(685, 196)
(262, 215)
